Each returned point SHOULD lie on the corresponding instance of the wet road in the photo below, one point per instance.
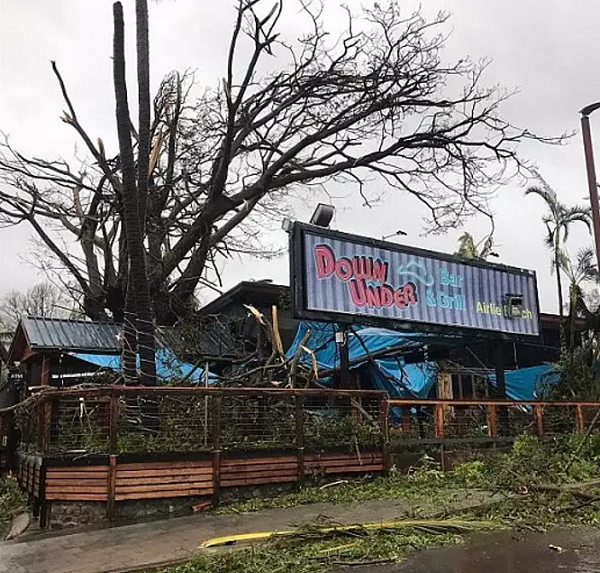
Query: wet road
(507, 552)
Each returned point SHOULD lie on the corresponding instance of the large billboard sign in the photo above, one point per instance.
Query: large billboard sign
(346, 278)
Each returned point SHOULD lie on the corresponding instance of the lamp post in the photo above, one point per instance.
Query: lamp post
(322, 217)
(591, 172)
(398, 233)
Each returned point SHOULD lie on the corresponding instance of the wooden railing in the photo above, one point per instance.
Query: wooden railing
(115, 443)
(487, 419)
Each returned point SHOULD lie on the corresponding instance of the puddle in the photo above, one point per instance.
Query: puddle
(575, 551)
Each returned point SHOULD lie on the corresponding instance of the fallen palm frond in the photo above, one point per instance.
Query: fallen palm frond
(311, 532)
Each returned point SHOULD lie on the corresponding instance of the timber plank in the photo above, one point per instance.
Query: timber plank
(163, 494)
(341, 463)
(257, 481)
(244, 475)
(77, 475)
(256, 467)
(55, 482)
(75, 496)
(164, 465)
(334, 458)
(162, 480)
(163, 487)
(258, 461)
(75, 489)
(156, 473)
(353, 464)
(84, 469)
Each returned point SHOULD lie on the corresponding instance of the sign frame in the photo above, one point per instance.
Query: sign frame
(298, 288)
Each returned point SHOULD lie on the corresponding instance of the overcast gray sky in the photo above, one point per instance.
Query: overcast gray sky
(547, 48)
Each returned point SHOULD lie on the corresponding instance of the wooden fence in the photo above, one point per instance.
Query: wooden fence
(117, 444)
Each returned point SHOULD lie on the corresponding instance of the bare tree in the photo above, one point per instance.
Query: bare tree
(42, 300)
(377, 101)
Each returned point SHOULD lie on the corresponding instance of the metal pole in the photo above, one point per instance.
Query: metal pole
(206, 377)
(591, 175)
(342, 340)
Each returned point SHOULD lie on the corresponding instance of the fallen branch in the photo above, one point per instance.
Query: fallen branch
(296, 358)
(359, 529)
(277, 342)
(570, 489)
(582, 442)
(334, 483)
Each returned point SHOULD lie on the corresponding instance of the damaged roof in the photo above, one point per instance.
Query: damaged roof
(39, 334)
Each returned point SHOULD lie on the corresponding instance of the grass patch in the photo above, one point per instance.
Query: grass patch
(12, 499)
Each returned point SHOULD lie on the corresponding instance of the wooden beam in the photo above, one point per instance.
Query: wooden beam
(46, 374)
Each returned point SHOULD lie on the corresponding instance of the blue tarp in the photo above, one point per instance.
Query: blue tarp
(392, 374)
(168, 366)
(389, 374)
(523, 384)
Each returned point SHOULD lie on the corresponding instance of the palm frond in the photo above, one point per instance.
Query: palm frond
(586, 268)
(547, 194)
(466, 246)
(577, 214)
(312, 531)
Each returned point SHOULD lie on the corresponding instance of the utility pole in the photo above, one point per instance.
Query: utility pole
(591, 172)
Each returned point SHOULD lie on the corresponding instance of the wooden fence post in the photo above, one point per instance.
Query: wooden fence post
(44, 505)
(111, 487)
(492, 421)
(113, 436)
(384, 429)
(299, 418)
(579, 419)
(46, 407)
(113, 424)
(216, 446)
(438, 415)
(406, 421)
(538, 416)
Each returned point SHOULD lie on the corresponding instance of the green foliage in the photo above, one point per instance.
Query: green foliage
(331, 431)
(527, 463)
(12, 500)
(471, 473)
(427, 473)
(578, 377)
(468, 249)
(534, 462)
(309, 556)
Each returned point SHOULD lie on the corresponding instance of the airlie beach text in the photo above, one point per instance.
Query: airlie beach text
(502, 310)
(367, 281)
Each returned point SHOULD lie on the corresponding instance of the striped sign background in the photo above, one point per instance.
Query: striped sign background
(484, 285)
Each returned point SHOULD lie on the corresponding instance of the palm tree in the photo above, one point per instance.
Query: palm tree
(468, 249)
(558, 221)
(583, 270)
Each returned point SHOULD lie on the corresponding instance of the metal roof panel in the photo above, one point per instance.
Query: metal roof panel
(63, 334)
